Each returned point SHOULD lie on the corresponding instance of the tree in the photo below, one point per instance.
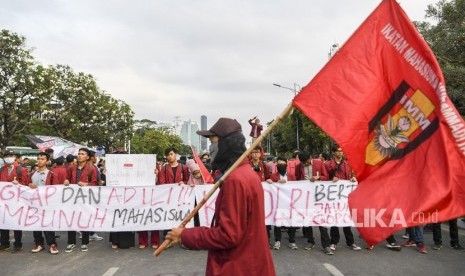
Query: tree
(55, 100)
(311, 137)
(447, 40)
(78, 111)
(23, 90)
(155, 141)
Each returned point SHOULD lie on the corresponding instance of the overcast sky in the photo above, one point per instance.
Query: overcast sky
(191, 57)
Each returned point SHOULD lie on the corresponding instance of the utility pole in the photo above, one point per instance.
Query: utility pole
(295, 90)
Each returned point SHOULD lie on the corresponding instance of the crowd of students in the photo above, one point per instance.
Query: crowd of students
(84, 170)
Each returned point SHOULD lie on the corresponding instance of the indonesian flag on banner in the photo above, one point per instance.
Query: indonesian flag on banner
(207, 177)
(383, 99)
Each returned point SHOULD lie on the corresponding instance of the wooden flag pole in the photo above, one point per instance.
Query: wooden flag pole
(218, 184)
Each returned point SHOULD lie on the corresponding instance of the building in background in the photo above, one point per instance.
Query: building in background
(189, 134)
(203, 140)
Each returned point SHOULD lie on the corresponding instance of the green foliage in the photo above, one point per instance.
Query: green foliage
(284, 136)
(56, 101)
(22, 90)
(156, 141)
(447, 40)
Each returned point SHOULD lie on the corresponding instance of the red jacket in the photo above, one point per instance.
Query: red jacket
(23, 179)
(263, 173)
(60, 174)
(86, 176)
(317, 166)
(341, 171)
(166, 176)
(292, 167)
(256, 129)
(237, 243)
(69, 170)
(275, 177)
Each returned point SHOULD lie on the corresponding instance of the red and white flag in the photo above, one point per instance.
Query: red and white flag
(383, 99)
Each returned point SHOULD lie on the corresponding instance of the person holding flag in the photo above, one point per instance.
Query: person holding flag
(238, 230)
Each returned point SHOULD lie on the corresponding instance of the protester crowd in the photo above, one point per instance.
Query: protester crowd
(85, 170)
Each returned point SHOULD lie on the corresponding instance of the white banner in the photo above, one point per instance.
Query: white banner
(72, 207)
(296, 203)
(130, 169)
(60, 208)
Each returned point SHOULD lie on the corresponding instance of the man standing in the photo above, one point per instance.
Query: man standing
(339, 169)
(43, 176)
(173, 172)
(453, 232)
(257, 128)
(281, 176)
(259, 167)
(82, 174)
(313, 170)
(170, 173)
(236, 242)
(60, 173)
(16, 174)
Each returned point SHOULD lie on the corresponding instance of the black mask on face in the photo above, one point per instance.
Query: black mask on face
(282, 169)
(230, 148)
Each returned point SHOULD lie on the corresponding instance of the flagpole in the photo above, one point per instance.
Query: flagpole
(218, 184)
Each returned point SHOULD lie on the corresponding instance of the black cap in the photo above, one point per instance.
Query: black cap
(222, 128)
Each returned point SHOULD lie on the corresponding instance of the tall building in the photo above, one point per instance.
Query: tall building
(189, 134)
(203, 126)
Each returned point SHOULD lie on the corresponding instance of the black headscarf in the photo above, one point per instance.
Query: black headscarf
(230, 148)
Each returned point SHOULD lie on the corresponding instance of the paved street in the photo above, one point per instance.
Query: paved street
(102, 260)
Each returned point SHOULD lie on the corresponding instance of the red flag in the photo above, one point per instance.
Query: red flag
(207, 177)
(382, 97)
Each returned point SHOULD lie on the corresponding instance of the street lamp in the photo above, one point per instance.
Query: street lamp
(295, 91)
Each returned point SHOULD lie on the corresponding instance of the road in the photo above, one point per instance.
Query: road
(102, 260)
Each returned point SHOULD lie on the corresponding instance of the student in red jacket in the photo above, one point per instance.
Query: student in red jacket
(83, 174)
(339, 169)
(70, 163)
(12, 172)
(60, 173)
(43, 176)
(173, 172)
(258, 165)
(236, 242)
(282, 177)
(170, 173)
(257, 128)
(313, 170)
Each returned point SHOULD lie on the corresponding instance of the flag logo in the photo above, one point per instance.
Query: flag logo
(401, 125)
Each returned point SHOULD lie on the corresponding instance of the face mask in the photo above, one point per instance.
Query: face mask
(9, 160)
(281, 169)
(213, 151)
